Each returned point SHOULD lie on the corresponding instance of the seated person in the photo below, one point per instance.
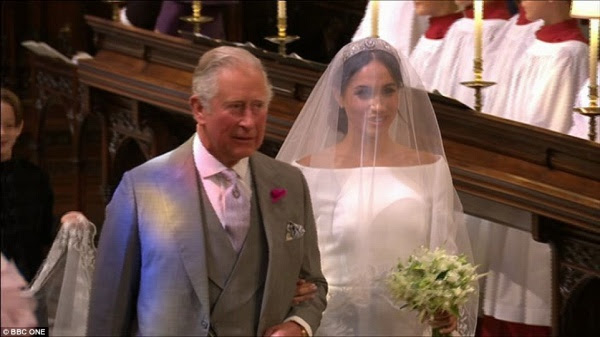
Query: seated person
(26, 220)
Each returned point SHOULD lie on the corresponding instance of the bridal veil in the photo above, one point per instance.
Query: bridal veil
(371, 150)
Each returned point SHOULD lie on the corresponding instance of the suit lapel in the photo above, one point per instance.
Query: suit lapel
(266, 178)
(187, 219)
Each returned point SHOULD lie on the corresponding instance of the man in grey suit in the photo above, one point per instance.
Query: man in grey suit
(171, 261)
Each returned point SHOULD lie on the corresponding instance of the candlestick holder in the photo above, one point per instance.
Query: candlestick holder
(478, 84)
(282, 39)
(115, 9)
(196, 19)
(590, 10)
(591, 111)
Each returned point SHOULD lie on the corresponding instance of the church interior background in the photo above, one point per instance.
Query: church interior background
(85, 126)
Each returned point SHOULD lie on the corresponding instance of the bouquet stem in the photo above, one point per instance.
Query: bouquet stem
(435, 332)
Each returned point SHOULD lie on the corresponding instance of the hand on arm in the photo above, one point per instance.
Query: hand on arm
(304, 291)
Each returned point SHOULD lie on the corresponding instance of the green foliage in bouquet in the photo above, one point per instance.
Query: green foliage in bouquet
(433, 281)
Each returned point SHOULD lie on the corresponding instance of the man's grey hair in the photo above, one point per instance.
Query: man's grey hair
(204, 82)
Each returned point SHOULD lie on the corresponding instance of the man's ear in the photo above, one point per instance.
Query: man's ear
(198, 110)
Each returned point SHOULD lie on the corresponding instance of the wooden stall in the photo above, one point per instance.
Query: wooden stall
(139, 83)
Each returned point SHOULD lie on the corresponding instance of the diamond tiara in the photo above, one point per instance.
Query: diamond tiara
(369, 43)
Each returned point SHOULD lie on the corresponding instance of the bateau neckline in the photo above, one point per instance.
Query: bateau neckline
(374, 167)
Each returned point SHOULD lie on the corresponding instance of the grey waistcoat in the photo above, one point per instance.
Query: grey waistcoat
(236, 281)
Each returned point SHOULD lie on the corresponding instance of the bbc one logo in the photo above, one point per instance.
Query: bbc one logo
(24, 332)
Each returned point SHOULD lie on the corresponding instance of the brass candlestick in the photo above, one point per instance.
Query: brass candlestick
(478, 84)
(115, 9)
(196, 19)
(282, 39)
(591, 111)
(590, 10)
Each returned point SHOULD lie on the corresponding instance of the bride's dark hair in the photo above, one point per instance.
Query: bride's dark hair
(358, 61)
(355, 63)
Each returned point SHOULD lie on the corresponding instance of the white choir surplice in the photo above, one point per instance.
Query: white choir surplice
(501, 56)
(398, 24)
(581, 123)
(518, 282)
(541, 92)
(425, 57)
(545, 83)
(456, 59)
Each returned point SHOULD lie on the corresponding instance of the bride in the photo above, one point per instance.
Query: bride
(369, 146)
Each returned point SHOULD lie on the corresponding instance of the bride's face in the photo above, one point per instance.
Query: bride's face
(370, 99)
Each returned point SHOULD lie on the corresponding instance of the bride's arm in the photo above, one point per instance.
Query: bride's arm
(446, 211)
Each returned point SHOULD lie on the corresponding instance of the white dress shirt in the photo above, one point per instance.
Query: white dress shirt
(214, 183)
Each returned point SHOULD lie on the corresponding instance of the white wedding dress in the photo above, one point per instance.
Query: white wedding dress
(404, 202)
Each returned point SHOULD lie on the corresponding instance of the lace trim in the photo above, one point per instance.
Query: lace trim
(79, 236)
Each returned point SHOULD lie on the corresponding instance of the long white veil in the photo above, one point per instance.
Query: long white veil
(373, 156)
(65, 278)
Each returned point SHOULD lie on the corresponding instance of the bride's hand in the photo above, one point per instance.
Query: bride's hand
(304, 291)
(444, 321)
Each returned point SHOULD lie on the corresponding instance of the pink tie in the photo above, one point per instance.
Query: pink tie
(236, 214)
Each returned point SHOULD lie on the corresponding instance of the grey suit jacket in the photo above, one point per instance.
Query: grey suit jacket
(151, 273)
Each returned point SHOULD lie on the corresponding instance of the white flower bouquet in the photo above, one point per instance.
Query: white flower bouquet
(432, 282)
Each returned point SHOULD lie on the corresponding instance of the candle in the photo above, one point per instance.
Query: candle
(281, 9)
(478, 15)
(375, 19)
(594, 28)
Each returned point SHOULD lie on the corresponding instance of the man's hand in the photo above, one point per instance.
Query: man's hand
(304, 291)
(285, 329)
(444, 321)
